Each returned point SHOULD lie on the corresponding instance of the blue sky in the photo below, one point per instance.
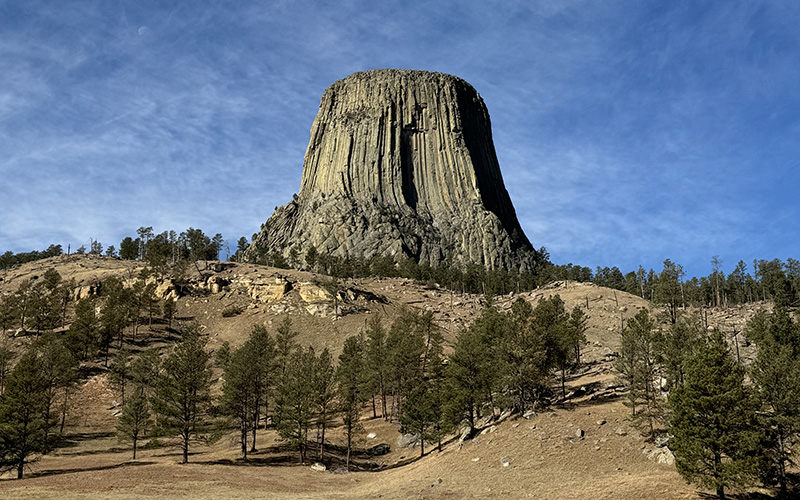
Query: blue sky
(627, 131)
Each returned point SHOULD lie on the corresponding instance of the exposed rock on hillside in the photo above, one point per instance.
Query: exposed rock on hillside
(401, 162)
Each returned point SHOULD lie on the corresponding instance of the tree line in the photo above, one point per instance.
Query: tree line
(10, 259)
(730, 425)
(470, 277)
(770, 280)
(158, 250)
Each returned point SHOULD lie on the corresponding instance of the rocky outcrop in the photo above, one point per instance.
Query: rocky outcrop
(400, 162)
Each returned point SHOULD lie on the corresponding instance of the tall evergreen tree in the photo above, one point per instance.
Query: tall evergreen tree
(284, 344)
(776, 376)
(58, 373)
(135, 418)
(405, 349)
(550, 324)
(23, 428)
(638, 365)
(325, 388)
(264, 374)
(717, 441)
(296, 400)
(677, 345)
(83, 336)
(523, 357)
(182, 398)
(238, 392)
(668, 289)
(376, 363)
(419, 415)
(353, 381)
(470, 376)
(7, 354)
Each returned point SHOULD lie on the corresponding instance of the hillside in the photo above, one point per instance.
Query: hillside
(583, 448)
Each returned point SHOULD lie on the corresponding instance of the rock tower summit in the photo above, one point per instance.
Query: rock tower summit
(401, 162)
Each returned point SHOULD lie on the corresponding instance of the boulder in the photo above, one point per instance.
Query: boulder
(266, 292)
(379, 449)
(165, 288)
(311, 293)
(215, 284)
(408, 440)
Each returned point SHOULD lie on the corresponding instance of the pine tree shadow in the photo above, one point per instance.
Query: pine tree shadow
(57, 472)
(67, 441)
(742, 496)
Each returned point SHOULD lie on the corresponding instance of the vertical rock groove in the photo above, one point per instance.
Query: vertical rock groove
(401, 162)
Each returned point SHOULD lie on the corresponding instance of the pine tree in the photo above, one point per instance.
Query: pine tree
(325, 388)
(668, 289)
(23, 428)
(7, 354)
(776, 376)
(169, 310)
(637, 363)
(83, 336)
(352, 381)
(264, 376)
(296, 399)
(284, 344)
(405, 347)
(577, 332)
(470, 376)
(676, 346)
(182, 398)
(418, 415)
(135, 418)
(717, 441)
(58, 373)
(376, 362)
(523, 358)
(118, 373)
(550, 324)
(238, 392)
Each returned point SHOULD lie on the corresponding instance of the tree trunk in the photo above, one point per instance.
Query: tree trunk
(349, 444)
(256, 420)
(64, 411)
(322, 442)
(243, 438)
(185, 446)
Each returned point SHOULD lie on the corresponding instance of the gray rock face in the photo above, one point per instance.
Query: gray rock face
(401, 162)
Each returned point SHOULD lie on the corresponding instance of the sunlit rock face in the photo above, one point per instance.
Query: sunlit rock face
(401, 162)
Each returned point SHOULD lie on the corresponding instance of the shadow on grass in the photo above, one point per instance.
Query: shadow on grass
(75, 470)
(68, 441)
(740, 496)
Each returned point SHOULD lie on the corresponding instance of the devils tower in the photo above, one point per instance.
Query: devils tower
(401, 163)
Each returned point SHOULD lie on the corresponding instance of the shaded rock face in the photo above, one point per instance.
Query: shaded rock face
(401, 162)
